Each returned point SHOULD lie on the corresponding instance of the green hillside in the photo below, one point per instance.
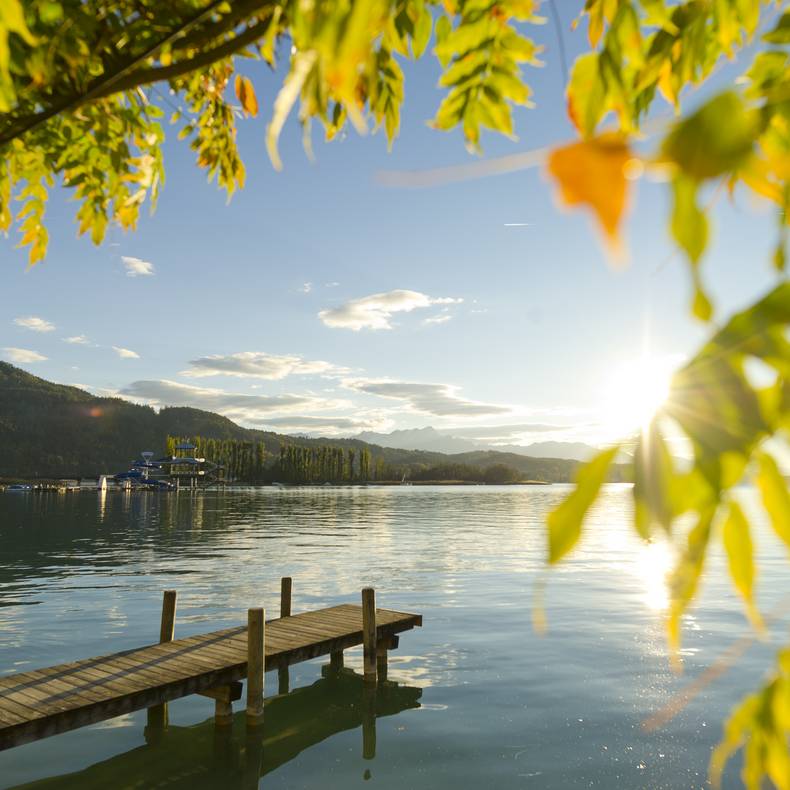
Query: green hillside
(51, 430)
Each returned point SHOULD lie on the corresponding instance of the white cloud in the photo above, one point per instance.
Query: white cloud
(443, 318)
(23, 355)
(438, 399)
(125, 353)
(257, 364)
(34, 323)
(502, 433)
(136, 267)
(79, 340)
(375, 311)
(329, 426)
(306, 288)
(258, 409)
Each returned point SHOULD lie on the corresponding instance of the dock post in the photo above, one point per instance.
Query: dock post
(255, 666)
(286, 586)
(336, 662)
(157, 715)
(369, 634)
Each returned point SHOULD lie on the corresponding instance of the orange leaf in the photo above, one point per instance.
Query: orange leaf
(593, 173)
(246, 95)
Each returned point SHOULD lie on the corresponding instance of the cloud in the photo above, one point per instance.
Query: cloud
(375, 311)
(306, 288)
(502, 433)
(257, 364)
(34, 323)
(257, 409)
(438, 399)
(329, 426)
(136, 267)
(23, 355)
(437, 319)
(79, 340)
(125, 353)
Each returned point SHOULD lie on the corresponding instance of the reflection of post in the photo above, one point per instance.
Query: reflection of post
(368, 721)
(369, 634)
(157, 715)
(381, 659)
(253, 749)
(255, 667)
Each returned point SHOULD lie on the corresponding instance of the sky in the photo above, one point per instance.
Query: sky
(324, 300)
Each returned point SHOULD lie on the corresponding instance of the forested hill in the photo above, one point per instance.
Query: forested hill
(52, 430)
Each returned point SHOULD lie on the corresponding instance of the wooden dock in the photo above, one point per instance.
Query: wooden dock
(56, 699)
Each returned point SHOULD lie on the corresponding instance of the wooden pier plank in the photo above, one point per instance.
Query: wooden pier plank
(43, 702)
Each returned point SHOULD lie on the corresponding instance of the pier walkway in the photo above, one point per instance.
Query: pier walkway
(56, 699)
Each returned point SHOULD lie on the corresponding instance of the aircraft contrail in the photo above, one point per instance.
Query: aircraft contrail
(517, 224)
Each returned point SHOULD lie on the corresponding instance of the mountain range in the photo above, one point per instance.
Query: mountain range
(50, 430)
(441, 441)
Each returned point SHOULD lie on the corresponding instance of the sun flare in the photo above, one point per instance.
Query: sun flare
(635, 391)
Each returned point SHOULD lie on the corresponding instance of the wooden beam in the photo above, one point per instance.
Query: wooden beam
(286, 585)
(255, 666)
(369, 633)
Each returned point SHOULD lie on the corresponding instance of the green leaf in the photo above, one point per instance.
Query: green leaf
(443, 28)
(688, 224)
(586, 94)
(737, 541)
(565, 522)
(422, 32)
(781, 33)
(776, 498)
(685, 576)
(653, 481)
(713, 141)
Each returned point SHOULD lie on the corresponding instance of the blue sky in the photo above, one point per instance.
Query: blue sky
(510, 325)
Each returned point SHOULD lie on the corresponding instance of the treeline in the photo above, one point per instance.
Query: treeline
(241, 461)
(328, 464)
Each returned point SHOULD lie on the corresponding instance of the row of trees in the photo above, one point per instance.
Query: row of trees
(326, 463)
(248, 462)
(241, 461)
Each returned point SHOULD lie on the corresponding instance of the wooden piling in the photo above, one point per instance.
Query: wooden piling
(336, 661)
(286, 585)
(255, 666)
(369, 633)
(156, 716)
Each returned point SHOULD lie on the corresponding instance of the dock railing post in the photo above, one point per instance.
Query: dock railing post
(369, 634)
(286, 587)
(157, 714)
(255, 666)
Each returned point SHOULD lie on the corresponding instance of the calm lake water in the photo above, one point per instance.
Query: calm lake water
(481, 700)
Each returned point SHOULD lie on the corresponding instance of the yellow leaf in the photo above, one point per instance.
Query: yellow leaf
(565, 522)
(246, 95)
(740, 557)
(776, 498)
(592, 173)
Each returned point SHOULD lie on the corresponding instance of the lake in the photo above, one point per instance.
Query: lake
(479, 698)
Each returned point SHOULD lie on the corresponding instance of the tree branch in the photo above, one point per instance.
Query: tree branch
(119, 80)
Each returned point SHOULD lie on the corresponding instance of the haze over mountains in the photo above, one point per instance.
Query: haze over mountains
(443, 441)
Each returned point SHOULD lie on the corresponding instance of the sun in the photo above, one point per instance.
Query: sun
(634, 392)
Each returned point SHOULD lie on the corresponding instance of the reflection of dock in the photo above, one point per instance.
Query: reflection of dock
(48, 701)
(203, 756)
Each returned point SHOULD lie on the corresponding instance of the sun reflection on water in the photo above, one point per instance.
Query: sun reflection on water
(652, 565)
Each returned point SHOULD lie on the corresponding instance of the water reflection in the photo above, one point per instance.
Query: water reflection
(206, 756)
